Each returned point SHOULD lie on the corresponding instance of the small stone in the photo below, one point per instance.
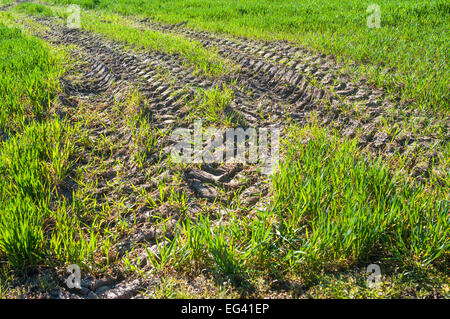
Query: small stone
(102, 282)
(205, 190)
(102, 290)
(92, 295)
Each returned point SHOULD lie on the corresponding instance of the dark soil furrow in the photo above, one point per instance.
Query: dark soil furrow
(283, 61)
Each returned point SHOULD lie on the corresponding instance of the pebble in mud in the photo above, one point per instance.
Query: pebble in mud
(205, 190)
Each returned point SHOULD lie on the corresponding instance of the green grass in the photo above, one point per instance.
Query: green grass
(32, 163)
(28, 80)
(213, 106)
(336, 206)
(408, 55)
(26, 167)
(332, 210)
(33, 9)
(121, 29)
(35, 226)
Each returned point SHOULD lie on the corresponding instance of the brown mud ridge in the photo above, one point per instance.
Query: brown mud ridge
(269, 82)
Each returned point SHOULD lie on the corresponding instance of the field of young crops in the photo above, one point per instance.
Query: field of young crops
(354, 97)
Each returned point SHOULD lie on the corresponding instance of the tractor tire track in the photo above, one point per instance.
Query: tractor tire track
(356, 109)
(107, 72)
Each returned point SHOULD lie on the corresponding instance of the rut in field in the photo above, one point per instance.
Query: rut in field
(351, 107)
(108, 72)
(279, 78)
